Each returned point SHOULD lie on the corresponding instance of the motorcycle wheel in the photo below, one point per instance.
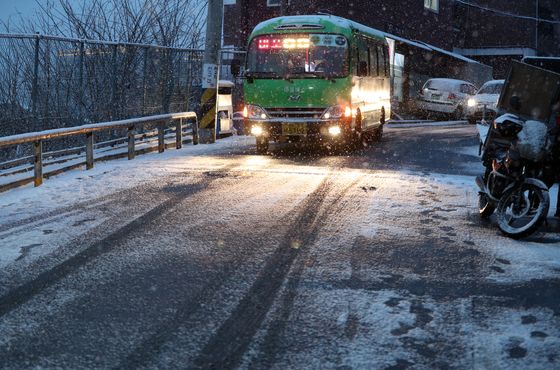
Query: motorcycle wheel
(485, 206)
(522, 210)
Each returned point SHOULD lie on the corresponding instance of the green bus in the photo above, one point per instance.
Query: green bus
(316, 78)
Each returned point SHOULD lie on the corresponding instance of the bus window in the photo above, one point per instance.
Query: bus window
(363, 56)
(374, 65)
(383, 62)
(387, 63)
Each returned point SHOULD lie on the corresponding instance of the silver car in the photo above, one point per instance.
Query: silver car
(483, 104)
(445, 95)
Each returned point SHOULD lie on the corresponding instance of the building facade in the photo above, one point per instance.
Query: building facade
(490, 31)
(495, 31)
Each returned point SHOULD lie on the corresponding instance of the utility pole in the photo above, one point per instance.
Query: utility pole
(207, 131)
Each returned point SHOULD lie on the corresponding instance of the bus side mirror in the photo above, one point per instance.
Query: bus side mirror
(235, 67)
(362, 69)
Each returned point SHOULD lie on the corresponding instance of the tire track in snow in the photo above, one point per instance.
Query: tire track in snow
(162, 314)
(62, 235)
(18, 296)
(269, 347)
(226, 347)
(149, 349)
(122, 196)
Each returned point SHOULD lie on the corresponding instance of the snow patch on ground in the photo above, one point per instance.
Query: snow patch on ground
(105, 178)
(512, 339)
(108, 177)
(534, 258)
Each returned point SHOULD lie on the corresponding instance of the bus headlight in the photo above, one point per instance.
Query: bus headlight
(337, 112)
(334, 130)
(254, 112)
(471, 102)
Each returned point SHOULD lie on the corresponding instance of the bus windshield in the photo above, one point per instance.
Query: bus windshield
(307, 56)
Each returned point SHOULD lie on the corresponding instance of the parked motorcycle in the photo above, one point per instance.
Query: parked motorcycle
(514, 152)
(521, 151)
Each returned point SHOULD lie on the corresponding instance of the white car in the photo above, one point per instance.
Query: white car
(483, 104)
(445, 95)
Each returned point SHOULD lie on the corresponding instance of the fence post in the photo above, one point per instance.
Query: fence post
(131, 143)
(35, 83)
(81, 83)
(89, 150)
(161, 137)
(47, 83)
(114, 114)
(190, 60)
(179, 133)
(195, 131)
(166, 77)
(38, 162)
(144, 81)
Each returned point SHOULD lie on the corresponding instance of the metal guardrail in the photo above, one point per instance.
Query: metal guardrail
(161, 121)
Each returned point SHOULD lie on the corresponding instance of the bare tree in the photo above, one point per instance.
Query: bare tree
(177, 23)
(47, 82)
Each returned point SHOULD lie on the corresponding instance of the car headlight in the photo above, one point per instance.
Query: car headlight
(254, 112)
(256, 130)
(471, 102)
(336, 112)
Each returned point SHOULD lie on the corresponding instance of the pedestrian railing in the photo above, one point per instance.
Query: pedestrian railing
(131, 125)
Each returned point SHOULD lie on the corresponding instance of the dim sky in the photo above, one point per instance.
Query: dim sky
(12, 9)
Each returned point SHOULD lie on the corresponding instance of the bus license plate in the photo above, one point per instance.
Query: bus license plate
(294, 129)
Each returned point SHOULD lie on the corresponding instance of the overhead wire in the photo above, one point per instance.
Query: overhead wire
(507, 14)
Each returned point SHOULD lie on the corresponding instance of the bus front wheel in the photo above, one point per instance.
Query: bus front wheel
(358, 139)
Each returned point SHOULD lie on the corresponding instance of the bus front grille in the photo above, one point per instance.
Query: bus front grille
(308, 113)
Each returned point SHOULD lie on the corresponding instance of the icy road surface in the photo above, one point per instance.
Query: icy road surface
(214, 257)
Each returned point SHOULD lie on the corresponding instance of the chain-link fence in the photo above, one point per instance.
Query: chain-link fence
(51, 82)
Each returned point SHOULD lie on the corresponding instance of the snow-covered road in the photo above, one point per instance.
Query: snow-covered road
(214, 257)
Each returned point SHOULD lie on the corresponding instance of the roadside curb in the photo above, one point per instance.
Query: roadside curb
(407, 124)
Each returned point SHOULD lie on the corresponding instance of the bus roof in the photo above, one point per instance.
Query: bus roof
(319, 23)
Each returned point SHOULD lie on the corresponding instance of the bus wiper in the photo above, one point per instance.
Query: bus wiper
(323, 76)
(320, 74)
(262, 74)
(251, 75)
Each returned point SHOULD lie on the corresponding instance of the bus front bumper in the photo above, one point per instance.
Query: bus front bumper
(298, 129)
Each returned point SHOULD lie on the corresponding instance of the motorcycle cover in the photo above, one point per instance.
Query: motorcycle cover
(532, 140)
